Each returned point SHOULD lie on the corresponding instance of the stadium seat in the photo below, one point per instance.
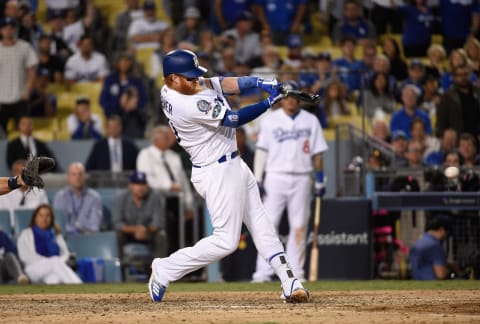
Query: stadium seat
(108, 196)
(5, 224)
(21, 220)
(61, 221)
(89, 89)
(99, 245)
(144, 57)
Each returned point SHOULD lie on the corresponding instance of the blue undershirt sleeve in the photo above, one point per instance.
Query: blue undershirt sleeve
(235, 119)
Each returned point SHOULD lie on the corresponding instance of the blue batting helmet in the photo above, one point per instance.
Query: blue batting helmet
(182, 62)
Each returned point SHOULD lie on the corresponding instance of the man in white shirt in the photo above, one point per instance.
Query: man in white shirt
(165, 173)
(86, 65)
(146, 32)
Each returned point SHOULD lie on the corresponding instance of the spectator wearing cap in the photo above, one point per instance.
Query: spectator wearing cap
(83, 124)
(82, 205)
(402, 119)
(25, 144)
(225, 13)
(459, 107)
(132, 12)
(294, 52)
(399, 146)
(416, 73)
(17, 70)
(138, 216)
(353, 25)
(166, 174)
(42, 103)
(281, 17)
(87, 65)
(115, 152)
(427, 257)
(246, 41)
(146, 32)
(323, 75)
(418, 20)
(349, 69)
(191, 27)
(115, 84)
(398, 67)
(52, 63)
(378, 97)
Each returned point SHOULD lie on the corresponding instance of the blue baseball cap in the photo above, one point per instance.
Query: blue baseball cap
(138, 177)
(399, 134)
(8, 21)
(294, 41)
(149, 5)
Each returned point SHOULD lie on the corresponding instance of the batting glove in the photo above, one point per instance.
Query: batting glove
(270, 86)
(320, 186)
(275, 96)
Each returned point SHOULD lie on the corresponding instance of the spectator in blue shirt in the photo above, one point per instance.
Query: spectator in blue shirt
(417, 28)
(427, 256)
(349, 69)
(459, 19)
(82, 123)
(416, 73)
(456, 58)
(448, 143)
(402, 119)
(81, 204)
(117, 82)
(281, 17)
(353, 24)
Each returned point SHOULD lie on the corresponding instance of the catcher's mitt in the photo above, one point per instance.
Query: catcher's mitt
(32, 170)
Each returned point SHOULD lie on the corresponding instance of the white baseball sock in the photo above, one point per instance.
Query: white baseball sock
(284, 272)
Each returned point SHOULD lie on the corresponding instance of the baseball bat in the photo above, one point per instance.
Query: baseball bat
(300, 95)
(313, 273)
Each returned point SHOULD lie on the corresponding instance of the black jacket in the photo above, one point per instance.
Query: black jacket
(99, 158)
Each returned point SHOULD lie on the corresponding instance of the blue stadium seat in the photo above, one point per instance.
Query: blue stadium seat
(108, 196)
(21, 220)
(61, 220)
(99, 245)
(5, 223)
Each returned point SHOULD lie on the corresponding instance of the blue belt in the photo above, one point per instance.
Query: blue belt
(222, 159)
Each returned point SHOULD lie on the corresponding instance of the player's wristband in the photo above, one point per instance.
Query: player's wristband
(247, 82)
(319, 176)
(13, 183)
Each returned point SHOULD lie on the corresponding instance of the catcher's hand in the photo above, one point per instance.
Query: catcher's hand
(32, 170)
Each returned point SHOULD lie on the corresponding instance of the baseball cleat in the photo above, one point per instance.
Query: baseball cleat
(156, 289)
(301, 295)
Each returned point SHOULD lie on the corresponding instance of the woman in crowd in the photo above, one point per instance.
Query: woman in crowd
(398, 67)
(436, 58)
(472, 48)
(335, 103)
(43, 250)
(378, 96)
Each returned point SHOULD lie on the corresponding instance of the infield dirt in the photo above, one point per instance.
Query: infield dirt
(413, 306)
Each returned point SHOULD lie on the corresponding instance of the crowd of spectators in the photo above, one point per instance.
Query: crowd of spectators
(419, 92)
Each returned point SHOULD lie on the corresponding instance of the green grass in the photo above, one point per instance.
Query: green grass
(242, 286)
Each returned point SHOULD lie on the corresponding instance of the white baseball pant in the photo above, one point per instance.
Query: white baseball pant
(291, 191)
(232, 196)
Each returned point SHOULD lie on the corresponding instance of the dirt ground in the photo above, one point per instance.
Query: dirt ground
(431, 306)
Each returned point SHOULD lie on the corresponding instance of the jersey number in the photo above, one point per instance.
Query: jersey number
(178, 139)
(306, 147)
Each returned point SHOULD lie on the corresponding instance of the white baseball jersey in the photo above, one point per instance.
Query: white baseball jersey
(280, 133)
(81, 70)
(196, 122)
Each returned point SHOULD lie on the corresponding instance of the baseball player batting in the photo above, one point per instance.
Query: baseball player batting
(289, 148)
(204, 125)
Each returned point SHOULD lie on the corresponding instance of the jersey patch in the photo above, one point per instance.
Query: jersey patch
(204, 106)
